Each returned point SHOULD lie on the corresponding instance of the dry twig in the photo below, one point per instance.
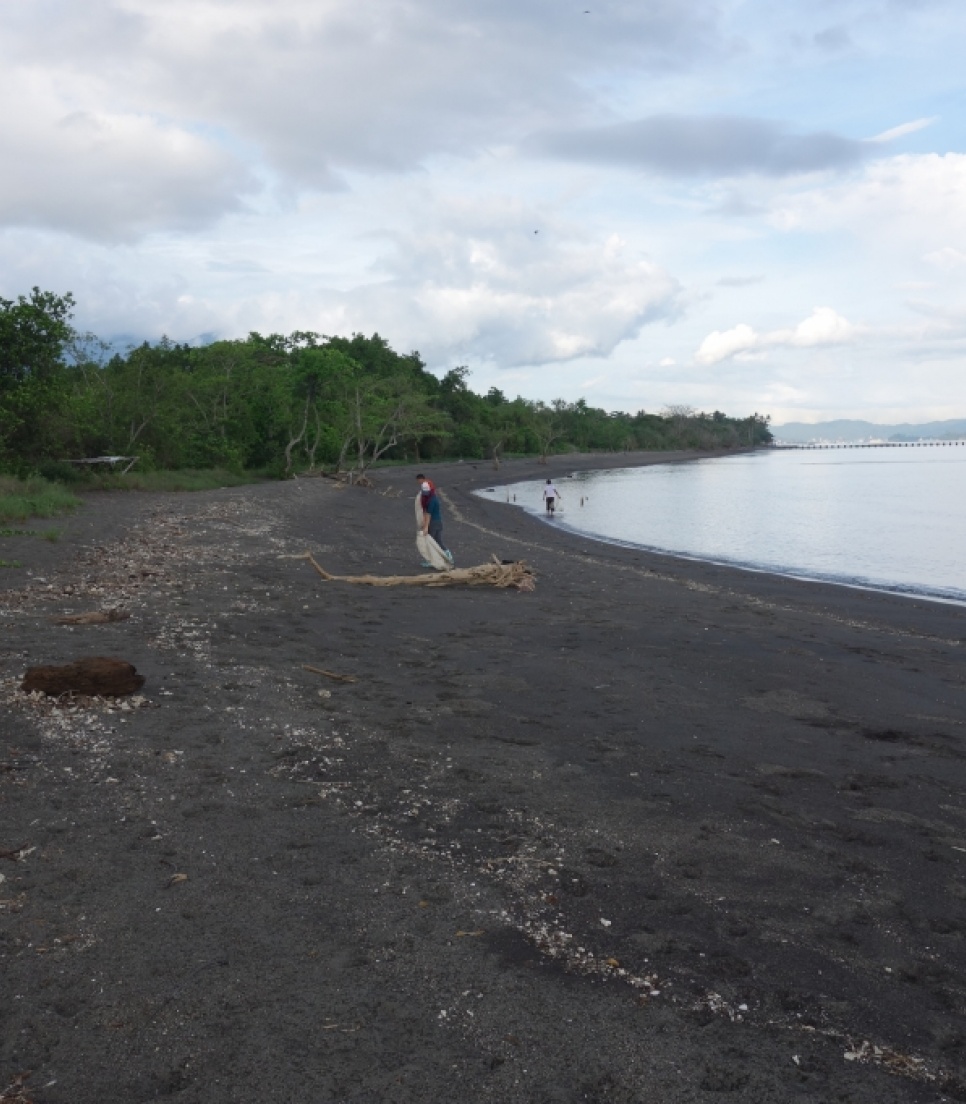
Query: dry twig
(329, 674)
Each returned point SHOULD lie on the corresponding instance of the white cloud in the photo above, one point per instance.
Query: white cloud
(898, 216)
(720, 345)
(473, 284)
(904, 128)
(823, 327)
(320, 87)
(217, 166)
(484, 286)
(103, 174)
(947, 258)
(920, 198)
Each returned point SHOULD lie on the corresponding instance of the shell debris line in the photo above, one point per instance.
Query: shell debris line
(151, 573)
(516, 575)
(519, 892)
(527, 882)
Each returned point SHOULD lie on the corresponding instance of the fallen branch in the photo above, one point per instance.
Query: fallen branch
(95, 617)
(517, 575)
(329, 674)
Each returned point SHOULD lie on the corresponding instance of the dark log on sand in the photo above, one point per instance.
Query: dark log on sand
(95, 676)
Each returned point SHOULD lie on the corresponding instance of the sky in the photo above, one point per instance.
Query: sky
(739, 205)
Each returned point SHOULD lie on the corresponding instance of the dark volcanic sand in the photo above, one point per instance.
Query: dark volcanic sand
(659, 831)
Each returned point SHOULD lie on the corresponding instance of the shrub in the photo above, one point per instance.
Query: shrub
(33, 497)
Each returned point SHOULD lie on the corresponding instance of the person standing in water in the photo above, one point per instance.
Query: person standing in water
(550, 496)
(432, 513)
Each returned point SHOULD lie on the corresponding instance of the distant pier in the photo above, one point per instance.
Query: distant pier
(869, 444)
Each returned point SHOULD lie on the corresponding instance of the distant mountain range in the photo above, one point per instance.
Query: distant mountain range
(845, 429)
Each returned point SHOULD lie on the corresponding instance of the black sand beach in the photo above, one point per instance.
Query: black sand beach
(658, 831)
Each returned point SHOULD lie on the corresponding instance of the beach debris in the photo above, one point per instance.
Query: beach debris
(329, 674)
(102, 676)
(715, 1003)
(93, 617)
(516, 575)
(176, 879)
(16, 1091)
(15, 854)
(895, 1061)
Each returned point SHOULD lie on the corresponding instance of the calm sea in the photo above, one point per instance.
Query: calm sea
(889, 519)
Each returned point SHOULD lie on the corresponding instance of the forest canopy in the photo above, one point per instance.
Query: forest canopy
(286, 403)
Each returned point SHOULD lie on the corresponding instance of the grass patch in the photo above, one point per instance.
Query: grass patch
(208, 479)
(10, 563)
(26, 498)
(51, 535)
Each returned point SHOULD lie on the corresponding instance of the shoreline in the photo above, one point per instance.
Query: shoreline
(896, 590)
(659, 830)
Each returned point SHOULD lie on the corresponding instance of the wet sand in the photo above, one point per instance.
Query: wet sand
(658, 831)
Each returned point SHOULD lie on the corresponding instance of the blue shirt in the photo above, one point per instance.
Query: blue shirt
(430, 505)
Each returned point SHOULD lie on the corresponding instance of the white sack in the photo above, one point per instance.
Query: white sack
(428, 549)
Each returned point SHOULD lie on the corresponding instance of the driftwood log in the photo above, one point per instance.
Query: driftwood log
(94, 617)
(97, 676)
(516, 575)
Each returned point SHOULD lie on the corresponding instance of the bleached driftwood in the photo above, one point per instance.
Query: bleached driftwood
(517, 575)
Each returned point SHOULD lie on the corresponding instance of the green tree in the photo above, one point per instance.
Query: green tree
(388, 413)
(322, 381)
(34, 384)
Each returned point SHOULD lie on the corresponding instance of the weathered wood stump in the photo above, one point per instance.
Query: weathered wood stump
(97, 675)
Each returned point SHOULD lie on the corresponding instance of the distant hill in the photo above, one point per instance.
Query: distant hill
(845, 429)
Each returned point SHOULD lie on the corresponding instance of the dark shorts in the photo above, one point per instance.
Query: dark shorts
(550, 503)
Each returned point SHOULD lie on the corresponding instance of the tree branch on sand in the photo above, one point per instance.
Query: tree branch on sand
(502, 575)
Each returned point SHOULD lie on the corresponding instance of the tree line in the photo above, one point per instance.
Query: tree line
(286, 403)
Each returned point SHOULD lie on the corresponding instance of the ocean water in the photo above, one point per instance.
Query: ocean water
(887, 519)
